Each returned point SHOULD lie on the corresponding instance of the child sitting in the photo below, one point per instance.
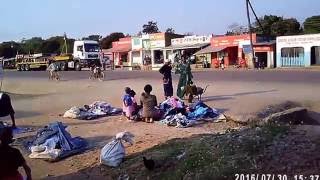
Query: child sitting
(128, 103)
(10, 158)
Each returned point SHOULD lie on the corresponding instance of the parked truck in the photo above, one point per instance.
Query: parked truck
(85, 53)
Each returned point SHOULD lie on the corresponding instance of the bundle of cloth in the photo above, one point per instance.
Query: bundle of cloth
(53, 143)
(93, 111)
(177, 114)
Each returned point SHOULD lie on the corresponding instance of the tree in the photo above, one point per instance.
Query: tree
(236, 29)
(286, 27)
(106, 42)
(312, 25)
(150, 28)
(273, 26)
(170, 30)
(9, 49)
(33, 45)
(93, 38)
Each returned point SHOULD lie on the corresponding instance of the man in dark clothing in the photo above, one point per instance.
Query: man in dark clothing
(10, 158)
(6, 108)
(165, 70)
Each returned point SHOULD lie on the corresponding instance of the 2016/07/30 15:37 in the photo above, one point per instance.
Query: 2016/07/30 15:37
(310, 177)
(274, 177)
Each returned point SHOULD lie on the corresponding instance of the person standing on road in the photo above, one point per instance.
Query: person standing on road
(185, 79)
(165, 70)
(6, 108)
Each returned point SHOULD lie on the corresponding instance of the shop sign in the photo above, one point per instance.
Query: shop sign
(228, 41)
(146, 44)
(136, 43)
(189, 40)
(157, 36)
(299, 40)
(157, 44)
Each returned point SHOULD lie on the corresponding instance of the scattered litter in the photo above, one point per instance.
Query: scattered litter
(181, 155)
(113, 153)
(182, 116)
(93, 111)
(53, 143)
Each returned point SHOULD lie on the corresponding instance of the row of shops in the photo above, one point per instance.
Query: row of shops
(209, 51)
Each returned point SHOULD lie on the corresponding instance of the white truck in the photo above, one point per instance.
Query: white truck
(85, 53)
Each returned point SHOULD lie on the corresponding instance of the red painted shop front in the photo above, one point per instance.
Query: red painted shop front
(121, 51)
(230, 49)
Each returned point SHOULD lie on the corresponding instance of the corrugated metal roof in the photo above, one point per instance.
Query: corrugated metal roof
(210, 49)
(187, 46)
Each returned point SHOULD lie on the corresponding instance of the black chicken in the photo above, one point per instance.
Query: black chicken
(148, 163)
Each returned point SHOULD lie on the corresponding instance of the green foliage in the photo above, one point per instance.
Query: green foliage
(277, 26)
(170, 30)
(312, 25)
(150, 27)
(106, 42)
(93, 38)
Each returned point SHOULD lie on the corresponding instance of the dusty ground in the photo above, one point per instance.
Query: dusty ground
(38, 101)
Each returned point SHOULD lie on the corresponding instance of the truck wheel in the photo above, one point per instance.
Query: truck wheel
(18, 68)
(64, 66)
(77, 66)
(27, 68)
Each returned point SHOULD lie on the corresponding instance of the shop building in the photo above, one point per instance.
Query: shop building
(237, 49)
(158, 44)
(188, 46)
(298, 51)
(121, 52)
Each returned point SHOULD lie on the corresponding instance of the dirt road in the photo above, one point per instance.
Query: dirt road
(39, 101)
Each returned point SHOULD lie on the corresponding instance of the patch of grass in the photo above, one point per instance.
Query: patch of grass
(206, 156)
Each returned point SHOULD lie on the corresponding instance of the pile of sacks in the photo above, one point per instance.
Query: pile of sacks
(93, 111)
(177, 114)
(53, 143)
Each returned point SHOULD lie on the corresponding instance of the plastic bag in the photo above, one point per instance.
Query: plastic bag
(113, 153)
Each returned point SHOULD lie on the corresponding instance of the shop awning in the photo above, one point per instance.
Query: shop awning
(209, 49)
(193, 46)
(120, 50)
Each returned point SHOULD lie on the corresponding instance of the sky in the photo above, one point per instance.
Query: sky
(80, 18)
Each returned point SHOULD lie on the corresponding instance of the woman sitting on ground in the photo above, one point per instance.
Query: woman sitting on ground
(6, 108)
(149, 103)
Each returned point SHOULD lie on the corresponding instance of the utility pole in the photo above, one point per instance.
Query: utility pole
(250, 32)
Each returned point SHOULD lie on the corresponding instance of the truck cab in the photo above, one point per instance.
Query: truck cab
(86, 52)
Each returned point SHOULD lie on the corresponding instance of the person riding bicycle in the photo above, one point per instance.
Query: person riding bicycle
(96, 70)
(53, 70)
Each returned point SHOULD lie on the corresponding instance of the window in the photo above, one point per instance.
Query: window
(91, 47)
(295, 52)
(80, 48)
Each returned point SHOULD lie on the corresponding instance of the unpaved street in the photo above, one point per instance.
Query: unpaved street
(238, 94)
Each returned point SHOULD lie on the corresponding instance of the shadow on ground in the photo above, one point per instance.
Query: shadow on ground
(232, 96)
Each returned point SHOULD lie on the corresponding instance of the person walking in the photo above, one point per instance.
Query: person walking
(165, 70)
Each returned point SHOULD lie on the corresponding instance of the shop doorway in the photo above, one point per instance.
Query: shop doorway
(262, 58)
(315, 55)
(158, 57)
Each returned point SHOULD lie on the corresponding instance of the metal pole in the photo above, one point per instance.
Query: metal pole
(250, 31)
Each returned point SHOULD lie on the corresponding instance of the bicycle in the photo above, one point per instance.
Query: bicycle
(54, 75)
(97, 73)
